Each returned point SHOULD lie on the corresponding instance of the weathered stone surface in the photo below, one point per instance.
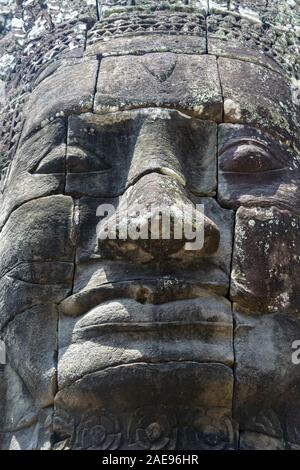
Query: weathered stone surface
(49, 214)
(269, 236)
(243, 36)
(141, 29)
(74, 85)
(152, 195)
(17, 407)
(110, 7)
(135, 23)
(21, 291)
(37, 170)
(134, 143)
(234, 50)
(124, 332)
(37, 269)
(35, 435)
(36, 274)
(271, 108)
(185, 82)
(267, 382)
(153, 343)
(255, 5)
(255, 169)
(146, 43)
(31, 342)
(90, 248)
(259, 441)
(198, 424)
(32, 19)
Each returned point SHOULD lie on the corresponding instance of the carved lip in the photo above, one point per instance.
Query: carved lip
(193, 328)
(123, 331)
(151, 291)
(128, 316)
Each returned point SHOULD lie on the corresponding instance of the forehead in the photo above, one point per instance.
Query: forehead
(203, 86)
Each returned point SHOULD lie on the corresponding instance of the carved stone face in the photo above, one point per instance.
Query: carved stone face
(119, 328)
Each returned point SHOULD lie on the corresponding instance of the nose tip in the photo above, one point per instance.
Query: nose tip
(168, 234)
(156, 220)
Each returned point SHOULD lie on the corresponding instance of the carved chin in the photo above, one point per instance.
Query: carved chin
(135, 406)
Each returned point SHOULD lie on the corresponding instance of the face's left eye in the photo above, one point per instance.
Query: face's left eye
(249, 158)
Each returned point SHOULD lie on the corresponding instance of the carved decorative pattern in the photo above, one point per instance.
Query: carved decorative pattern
(162, 23)
(68, 40)
(63, 428)
(108, 7)
(113, 3)
(281, 45)
(208, 430)
(40, 52)
(31, 18)
(44, 31)
(98, 432)
(11, 122)
(266, 422)
(152, 429)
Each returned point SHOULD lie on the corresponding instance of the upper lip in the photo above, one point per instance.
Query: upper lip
(157, 290)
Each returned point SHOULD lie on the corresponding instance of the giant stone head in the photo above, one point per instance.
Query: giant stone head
(145, 344)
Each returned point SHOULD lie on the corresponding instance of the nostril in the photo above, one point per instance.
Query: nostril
(147, 237)
(162, 249)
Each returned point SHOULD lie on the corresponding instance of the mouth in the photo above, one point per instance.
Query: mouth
(177, 317)
(155, 291)
(144, 320)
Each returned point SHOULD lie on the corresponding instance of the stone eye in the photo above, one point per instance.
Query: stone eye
(249, 158)
(52, 163)
(82, 161)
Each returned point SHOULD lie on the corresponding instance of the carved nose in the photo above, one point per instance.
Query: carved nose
(155, 220)
(154, 149)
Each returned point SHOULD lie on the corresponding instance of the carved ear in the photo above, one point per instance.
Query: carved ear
(161, 69)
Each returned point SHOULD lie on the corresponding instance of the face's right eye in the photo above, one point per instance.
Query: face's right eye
(96, 145)
(84, 161)
(52, 163)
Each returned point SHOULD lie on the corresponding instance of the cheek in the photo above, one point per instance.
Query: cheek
(36, 270)
(266, 268)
